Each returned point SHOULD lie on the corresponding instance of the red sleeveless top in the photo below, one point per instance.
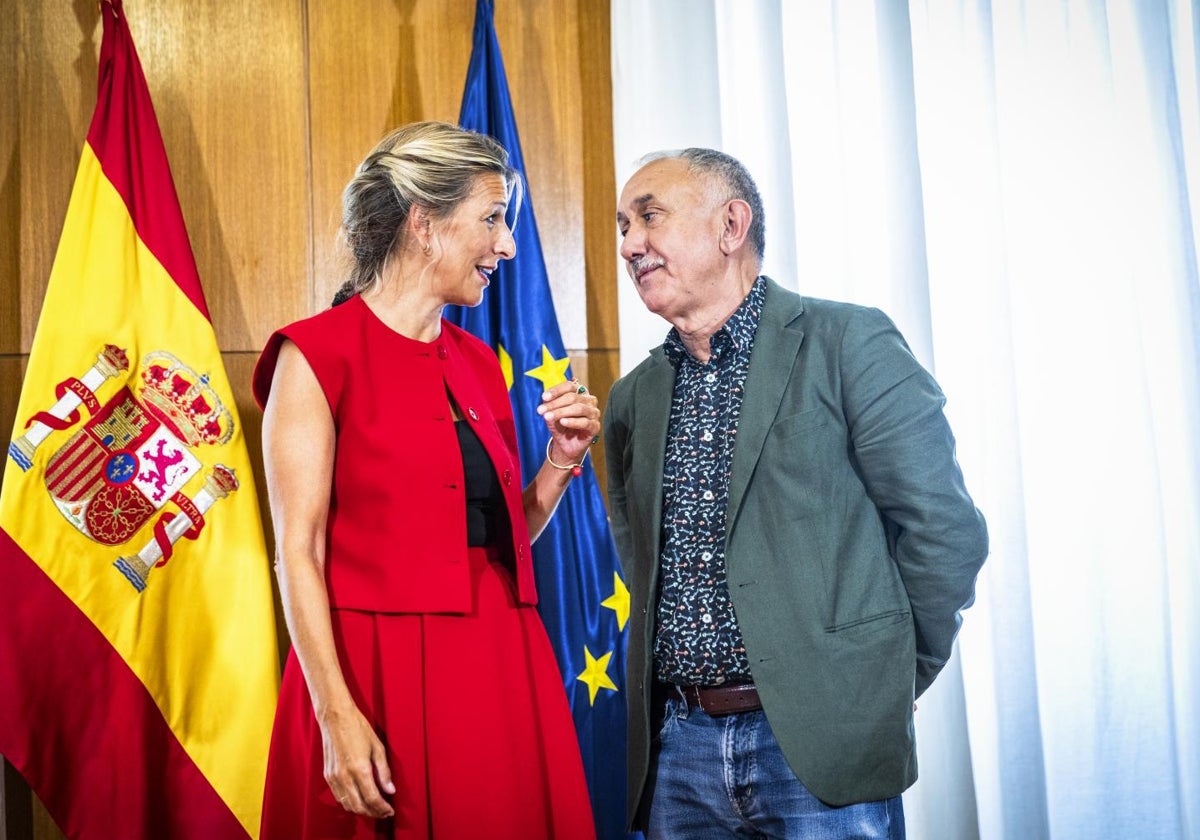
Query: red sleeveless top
(396, 534)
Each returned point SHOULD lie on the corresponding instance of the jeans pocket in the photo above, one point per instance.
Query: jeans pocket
(670, 721)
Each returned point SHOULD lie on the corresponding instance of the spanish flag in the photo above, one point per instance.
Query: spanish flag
(138, 656)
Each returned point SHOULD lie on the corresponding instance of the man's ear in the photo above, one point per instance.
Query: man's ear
(735, 225)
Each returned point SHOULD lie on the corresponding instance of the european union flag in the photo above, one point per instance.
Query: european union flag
(582, 599)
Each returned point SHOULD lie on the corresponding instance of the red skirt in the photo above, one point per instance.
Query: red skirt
(472, 713)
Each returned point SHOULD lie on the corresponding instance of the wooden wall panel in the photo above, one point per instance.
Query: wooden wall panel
(12, 370)
(10, 187)
(373, 65)
(265, 109)
(56, 92)
(228, 87)
(16, 817)
(410, 64)
(599, 205)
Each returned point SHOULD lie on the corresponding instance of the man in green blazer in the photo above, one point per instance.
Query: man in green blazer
(796, 535)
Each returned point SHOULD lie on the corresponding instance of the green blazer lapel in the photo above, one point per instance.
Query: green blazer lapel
(776, 346)
(653, 400)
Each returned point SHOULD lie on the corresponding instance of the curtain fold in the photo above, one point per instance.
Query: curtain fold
(1016, 184)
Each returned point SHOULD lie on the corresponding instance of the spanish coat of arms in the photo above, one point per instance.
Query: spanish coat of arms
(133, 455)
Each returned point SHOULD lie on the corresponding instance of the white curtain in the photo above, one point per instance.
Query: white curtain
(1017, 182)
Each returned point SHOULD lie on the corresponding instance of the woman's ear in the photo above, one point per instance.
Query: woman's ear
(419, 229)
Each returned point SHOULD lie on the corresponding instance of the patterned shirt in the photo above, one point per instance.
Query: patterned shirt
(697, 640)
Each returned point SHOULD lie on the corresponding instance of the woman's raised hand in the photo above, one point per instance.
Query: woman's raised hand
(572, 416)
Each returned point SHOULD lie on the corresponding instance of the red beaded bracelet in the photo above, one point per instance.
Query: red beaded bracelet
(576, 469)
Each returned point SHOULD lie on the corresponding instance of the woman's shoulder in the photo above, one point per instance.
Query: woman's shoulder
(327, 320)
(318, 337)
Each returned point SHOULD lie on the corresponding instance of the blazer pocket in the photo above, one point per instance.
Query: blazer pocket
(792, 425)
(870, 622)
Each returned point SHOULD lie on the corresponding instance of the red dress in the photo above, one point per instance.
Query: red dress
(441, 645)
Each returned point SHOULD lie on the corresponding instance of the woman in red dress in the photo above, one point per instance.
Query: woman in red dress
(421, 698)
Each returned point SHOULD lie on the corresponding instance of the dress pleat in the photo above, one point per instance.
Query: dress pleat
(473, 716)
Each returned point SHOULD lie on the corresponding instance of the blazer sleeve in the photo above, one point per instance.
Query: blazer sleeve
(616, 451)
(903, 450)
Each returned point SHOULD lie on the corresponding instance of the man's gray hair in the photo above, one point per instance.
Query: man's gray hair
(731, 172)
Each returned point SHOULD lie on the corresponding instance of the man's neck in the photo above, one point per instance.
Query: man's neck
(696, 332)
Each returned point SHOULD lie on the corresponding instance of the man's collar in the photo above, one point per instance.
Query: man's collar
(737, 331)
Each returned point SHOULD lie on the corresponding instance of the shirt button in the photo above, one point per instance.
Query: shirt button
(708, 495)
(707, 436)
(706, 618)
(471, 413)
(712, 377)
(441, 351)
(706, 556)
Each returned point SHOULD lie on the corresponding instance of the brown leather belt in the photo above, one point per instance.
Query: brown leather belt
(717, 700)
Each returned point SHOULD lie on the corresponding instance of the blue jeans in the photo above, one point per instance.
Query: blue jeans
(716, 777)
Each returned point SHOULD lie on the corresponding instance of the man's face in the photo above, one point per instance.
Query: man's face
(671, 222)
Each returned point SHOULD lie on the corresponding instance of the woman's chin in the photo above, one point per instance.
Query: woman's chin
(470, 302)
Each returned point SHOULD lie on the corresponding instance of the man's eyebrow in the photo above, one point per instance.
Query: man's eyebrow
(642, 200)
(638, 203)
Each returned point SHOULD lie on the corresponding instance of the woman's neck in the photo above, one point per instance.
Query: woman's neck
(401, 303)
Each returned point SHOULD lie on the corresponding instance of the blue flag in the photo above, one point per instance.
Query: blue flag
(582, 598)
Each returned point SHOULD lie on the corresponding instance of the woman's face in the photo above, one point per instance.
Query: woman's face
(471, 242)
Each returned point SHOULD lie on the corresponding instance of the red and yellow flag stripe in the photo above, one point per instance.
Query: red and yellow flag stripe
(137, 701)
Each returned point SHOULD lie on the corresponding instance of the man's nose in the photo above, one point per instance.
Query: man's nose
(633, 244)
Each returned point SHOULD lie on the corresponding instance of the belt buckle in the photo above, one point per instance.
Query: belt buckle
(688, 695)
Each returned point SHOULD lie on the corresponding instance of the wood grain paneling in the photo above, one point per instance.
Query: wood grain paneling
(10, 186)
(56, 91)
(373, 65)
(599, 205)
(12, 369)
(16, 817)
(265, 109)
(228, 86)
(409, 64)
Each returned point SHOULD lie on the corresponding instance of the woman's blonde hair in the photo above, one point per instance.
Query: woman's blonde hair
(432, 165)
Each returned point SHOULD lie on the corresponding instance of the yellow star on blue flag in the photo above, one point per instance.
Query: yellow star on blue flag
(551, 371)
(595, 675)
(618, 602)
(505, 365)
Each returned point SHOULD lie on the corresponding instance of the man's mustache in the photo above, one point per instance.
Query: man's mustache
(640, 265)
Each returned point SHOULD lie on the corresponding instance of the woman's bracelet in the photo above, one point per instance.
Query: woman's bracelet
(576, 469)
